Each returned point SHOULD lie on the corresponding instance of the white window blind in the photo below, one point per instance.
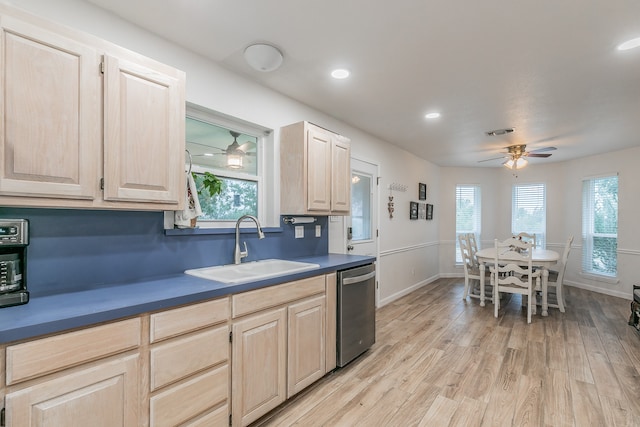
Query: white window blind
(467, 213)
(600, 226)
(529, 211)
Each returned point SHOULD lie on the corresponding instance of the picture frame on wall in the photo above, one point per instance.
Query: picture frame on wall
(429, 211)
(422, 210)
(422, 191)
(413, 210)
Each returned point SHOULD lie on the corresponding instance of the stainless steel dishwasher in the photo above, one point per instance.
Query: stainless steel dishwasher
(356, 312)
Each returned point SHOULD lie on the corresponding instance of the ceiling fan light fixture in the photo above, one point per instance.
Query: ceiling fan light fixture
(234, 161)
(263, 57)
(518, 163)
(521, 162)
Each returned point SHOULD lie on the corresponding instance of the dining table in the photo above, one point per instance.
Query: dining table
(541, 258)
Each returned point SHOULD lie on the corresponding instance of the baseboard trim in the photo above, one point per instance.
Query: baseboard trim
(407, 291)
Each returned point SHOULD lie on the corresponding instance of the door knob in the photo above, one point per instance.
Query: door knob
(350, 247)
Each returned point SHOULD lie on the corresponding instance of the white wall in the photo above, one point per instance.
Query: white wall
(412, 253)
(404, 244)
(564, 212)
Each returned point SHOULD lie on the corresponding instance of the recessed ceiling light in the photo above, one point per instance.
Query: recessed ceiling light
(340, 73)
(629, 44)
(433, 115)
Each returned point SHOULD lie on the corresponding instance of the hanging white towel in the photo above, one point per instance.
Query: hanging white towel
(182, 219)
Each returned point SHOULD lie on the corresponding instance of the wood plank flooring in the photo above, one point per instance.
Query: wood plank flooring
(442, 361)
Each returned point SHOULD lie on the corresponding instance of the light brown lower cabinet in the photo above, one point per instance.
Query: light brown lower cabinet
(280, 349)
(189, 365)
(177, 366)
(259, 365)
(104, 395)
(86, 377)
(306, 341)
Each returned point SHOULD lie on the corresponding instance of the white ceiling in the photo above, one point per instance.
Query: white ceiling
(548, 68)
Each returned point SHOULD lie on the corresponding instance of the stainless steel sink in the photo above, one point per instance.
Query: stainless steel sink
(251, 271)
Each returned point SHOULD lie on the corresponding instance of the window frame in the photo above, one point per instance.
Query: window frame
(541, 235)
(477, 216)
(264, 150)
(588, 226)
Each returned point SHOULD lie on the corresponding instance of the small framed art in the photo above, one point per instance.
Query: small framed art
(413, 210)
(429, 211)
(422, 191)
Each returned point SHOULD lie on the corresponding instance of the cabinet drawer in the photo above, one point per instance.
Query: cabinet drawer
(252, 301)
(185, 401)
(217, 418)
(189, 318)
(181, 357)
(36, 358)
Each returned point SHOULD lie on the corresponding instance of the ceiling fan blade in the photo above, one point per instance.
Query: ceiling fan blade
(543, 149)
(247, 146)
(495, 158)
(532, 154)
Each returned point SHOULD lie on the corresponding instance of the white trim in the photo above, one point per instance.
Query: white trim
(628, 251)
(408, 248)
(407, 291)
(601, 175)
(600, 278)
(605, 291)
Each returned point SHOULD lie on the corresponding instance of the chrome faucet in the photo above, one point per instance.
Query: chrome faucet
(238, 254)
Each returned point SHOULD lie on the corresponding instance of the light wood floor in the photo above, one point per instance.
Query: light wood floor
(442, 361)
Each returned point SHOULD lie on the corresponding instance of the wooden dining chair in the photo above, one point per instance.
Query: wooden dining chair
(526, 237)
(473, 247)
(471, 267)
(511, 272)
(556, 277)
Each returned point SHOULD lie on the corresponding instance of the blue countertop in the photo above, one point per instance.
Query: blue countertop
(59, 312)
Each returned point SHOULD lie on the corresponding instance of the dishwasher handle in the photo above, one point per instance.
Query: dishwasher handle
(358, 279)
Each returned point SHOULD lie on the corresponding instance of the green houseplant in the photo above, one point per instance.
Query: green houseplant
(210, 183)
(206, 183)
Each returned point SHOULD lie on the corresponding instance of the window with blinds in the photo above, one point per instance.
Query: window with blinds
(529, 211)
(467, 213)
(600, 226)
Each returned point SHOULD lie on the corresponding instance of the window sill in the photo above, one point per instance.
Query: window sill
(209, 231)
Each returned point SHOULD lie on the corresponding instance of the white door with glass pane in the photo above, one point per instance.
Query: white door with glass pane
(362, 224)
(357, 234)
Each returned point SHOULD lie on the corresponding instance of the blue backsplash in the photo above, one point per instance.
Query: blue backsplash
(80, 249)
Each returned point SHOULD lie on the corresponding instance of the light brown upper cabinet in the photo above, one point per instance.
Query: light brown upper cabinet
(315, 171)
(87, 124)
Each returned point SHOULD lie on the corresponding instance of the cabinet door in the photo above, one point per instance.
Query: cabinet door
(105, 395)
(144, 134)
(341, 177)
(318, 170)
(306, 344)
(50, 111)
(259, 365)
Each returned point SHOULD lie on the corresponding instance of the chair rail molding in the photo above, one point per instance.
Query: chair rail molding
(408, 248)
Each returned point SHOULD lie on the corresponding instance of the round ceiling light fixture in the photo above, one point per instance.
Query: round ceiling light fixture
(340, 73)
(432, 116)
(263, 57)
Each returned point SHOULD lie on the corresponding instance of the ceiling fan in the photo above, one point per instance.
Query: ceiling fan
(516, 154)
(234, 152)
